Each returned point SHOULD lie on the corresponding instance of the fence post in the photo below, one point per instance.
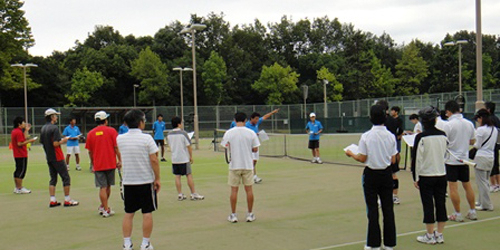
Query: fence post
(33, 125)
(289, 131)
(217, 118)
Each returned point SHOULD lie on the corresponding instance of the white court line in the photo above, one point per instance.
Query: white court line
(406, 234)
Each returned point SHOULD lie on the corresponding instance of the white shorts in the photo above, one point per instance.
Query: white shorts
(72, 150)
(255, 156)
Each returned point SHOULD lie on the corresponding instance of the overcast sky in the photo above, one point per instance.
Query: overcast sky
(57, 24)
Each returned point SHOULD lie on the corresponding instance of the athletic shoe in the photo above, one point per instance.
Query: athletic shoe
(492, 189)
(471, 216)
(163, 159)
(477, 204)
(427, 239)
(250, 217)
(100, 209)
(54, 204)
(372, 248)
(196, 196)
(147, 247)
(78, 168)
(232, 218)
(71, 203)
(17, 191)
(181, 197)
(481, 208)
(439, 239)
(257, 180)
(24, 190)
(455, 217)
(388, 248)
(497, 189)
(314, 160)
(319, 161)
(396, 200)
(108, 213)
(131, 247)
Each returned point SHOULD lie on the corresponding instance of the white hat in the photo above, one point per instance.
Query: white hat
(51, 111)
(312, 114)
(101, 116)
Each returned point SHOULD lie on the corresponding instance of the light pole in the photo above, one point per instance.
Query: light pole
(459, 43)
(325, 82)
(24, 66)
(135, 86)
(192, 29)
(479, 58)
(182, 94)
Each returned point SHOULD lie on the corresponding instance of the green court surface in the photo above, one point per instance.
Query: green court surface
(299, 206)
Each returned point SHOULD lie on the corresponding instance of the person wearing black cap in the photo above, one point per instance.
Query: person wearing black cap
(429, 175)
(377, 149)
(486, 137)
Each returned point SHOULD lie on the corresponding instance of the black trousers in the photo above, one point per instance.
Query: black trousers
(433, 195)
(378, 183)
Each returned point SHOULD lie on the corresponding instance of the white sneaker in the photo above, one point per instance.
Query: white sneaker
(492, 188)
(455, 217)
(17, 191)
(196, 196)
(481, 208)
(181, 197)
(388, 248)
(497, 189)
(256, 179)
(372, 248)
(100, 210)
(471, 216)
(147, 247)
(439, 239)
(427, 239)
(78, 168)
(250, 217)
(319, 161)
(314, 160)
(108, 213)
(131, 247)
(67, 167)
(396, 200)
(232, 218)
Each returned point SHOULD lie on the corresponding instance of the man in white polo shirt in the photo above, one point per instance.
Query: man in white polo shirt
(461, 134)
(182, 158)
(141, 177)
(242, 142)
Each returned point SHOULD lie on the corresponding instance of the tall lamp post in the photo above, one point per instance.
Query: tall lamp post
(192, 29)
(182, 94)
(459, 44)
(325, 82)
(479, 57)
(135, 86)
(24, 66)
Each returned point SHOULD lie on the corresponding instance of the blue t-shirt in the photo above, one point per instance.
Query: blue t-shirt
(255, 127)
(314, 128)
(233, 124)
(159, 127)
(72, 132)
(123, 129)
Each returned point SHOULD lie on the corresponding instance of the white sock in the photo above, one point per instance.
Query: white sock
(53, 198)
(145, 241)
(67, 198)
(437, 233)
(127, 242)
(472, 210)
(458, 214)
(429, 235)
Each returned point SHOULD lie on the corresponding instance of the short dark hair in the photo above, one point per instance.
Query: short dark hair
(452, 106)
(159, 115)
(48, 118)
(396, 108)
(491, 107)
(377, 114)
(240, 117)
(254, 114)
(71, 119)
(384, 104)
(176, 121)
(133, 117)
(100, 122)
(443, 116)
(18, 121)
(413, 117)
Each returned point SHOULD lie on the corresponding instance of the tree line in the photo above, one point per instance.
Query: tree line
(236, 65)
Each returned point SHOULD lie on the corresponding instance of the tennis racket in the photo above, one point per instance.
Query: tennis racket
(121, 184)
(227, 151)
(466, 162)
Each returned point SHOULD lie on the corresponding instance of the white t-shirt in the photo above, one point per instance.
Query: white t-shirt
(417, 128)
(240, 140)
(135, 148)
(379, 145)
(459, 132)
(178, 140)
(482, 133)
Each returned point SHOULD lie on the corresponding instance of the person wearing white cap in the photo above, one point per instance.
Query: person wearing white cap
(105, 158)
(314, 128)
(50, 137)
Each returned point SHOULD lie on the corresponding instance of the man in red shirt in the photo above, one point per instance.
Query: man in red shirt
(18, 140)
(105, 158)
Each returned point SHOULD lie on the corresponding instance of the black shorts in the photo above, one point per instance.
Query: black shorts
(160, 142)
(140, 197)
(495, 170)
(395, 168)
(181, 169)
(21, 167)
(58, 168)
(313, 144)
(456, 173)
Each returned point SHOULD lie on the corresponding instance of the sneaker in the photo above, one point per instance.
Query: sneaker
(492, 189)
(371, 248)
(455, 217)
(396, 200)
(196, 196)
(108, 213)
(257, 180)
(131, 247)
(71, 203)
(181, 197)
(54, 204)
(471, 216)
(319, 161)
(147, 247)
(439, 239)
(497, 189)
(477, 204)
(100, 209)
(250, 217)
(232, 218)
(314, 160)
(481, 208)
(388, 248)
(24, 190)
(67, 167)
(17, 191)
(427, 239)
(78, 168)
(163, 159)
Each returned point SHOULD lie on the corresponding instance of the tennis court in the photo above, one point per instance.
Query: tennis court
(299, 205)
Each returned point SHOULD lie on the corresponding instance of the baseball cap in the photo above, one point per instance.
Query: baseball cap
(312, 114)
(428, 113)
(101, 116)
(481, 113)
(51, 111)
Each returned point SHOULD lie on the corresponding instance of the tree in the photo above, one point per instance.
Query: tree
(383, 82)
(214, 74)
(152, 73)
(276, 82)
(411, 70)
(338, 88)
(84, 84)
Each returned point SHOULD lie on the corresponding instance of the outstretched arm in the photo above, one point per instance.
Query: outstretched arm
(270, 114)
